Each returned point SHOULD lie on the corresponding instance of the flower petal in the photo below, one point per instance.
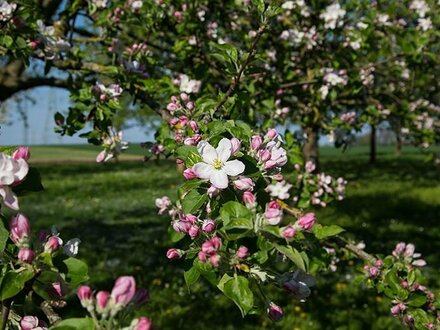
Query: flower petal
(233, 167)
(9, 198)
(219, 179)
(207, 152)
(203, 170)
(224, 149)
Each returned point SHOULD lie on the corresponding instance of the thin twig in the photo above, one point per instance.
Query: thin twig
(236, 80)
(51, 315)
(297, 213)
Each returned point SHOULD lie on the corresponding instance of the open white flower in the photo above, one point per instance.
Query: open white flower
(11, 171)
(279, 190)
(215, 166)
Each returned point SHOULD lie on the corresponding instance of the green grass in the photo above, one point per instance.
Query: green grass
(111, 208)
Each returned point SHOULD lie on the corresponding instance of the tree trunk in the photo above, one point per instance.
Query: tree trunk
(398, 143)
(373, 144)
(311, 149)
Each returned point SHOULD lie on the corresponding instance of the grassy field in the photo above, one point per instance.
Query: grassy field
(111, 208)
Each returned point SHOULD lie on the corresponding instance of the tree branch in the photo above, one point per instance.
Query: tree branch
(236, 80)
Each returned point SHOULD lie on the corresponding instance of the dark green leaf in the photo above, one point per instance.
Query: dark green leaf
(74, 324)
(13, 282)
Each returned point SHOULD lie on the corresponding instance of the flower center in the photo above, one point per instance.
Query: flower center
(217, 164)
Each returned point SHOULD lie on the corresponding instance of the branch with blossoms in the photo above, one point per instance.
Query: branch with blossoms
(40, 269)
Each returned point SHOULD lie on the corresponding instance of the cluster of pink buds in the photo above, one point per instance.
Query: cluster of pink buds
(374, 270)
(185, 129)
(304, 223)
(209, 251)
(136, 48)
(116, 15)
(407, 253)
(20, 232)
(104, 93)
(123, 296)
(267, 150)
(348, 117)
(321, 185)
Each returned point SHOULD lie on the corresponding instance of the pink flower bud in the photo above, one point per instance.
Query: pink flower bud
(213, 191)
(307, 221)
(378, 263)
(256, 142)
(397, 309)
(271, 134)
(214, 260)
(399, 249)
(29, 322)
(194, 231)
(310, 167)
(171, 107)
(189, 174)
(190, 105)
(248, 198)
(265, 156)
(26, 255)
(373, 271)
(217, 242)
(242, 252)
(174, 254)
(275, 312)
(20, 229)
(179, 161)
(208, 225)
(101, 156)
(278, 177)
(235, 146)
(174, 121)
(59, 289)
(123, 290)
(202, 256)
(102, 299)
(193, 125)
(141, 296)
(244, 184)
(183, 120)
(22, 153)
(143, 323)
(53, 244)
(184, 97)
(289, 232)
(84, 294)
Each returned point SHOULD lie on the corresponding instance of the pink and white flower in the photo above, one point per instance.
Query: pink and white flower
(11, 171)
(215, 166)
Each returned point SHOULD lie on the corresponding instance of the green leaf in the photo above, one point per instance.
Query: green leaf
(76, 270)
(293, 254)
(393, 281)
(193, 201)
(322, 232)
(417, 300)
(4, 234)
(189, 155)
(191, 276)
(14, 282)
(237, 289)
(236, 216)
(73, 324)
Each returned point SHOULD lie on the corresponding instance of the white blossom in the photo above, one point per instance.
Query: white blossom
(215, 166)
(11, 171)
(332, 16)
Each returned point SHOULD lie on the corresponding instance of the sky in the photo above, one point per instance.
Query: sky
(40, 113)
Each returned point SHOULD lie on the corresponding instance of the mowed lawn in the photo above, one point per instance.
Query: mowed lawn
(110, 207)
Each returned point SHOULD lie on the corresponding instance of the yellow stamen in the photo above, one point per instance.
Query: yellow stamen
(217, 164)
